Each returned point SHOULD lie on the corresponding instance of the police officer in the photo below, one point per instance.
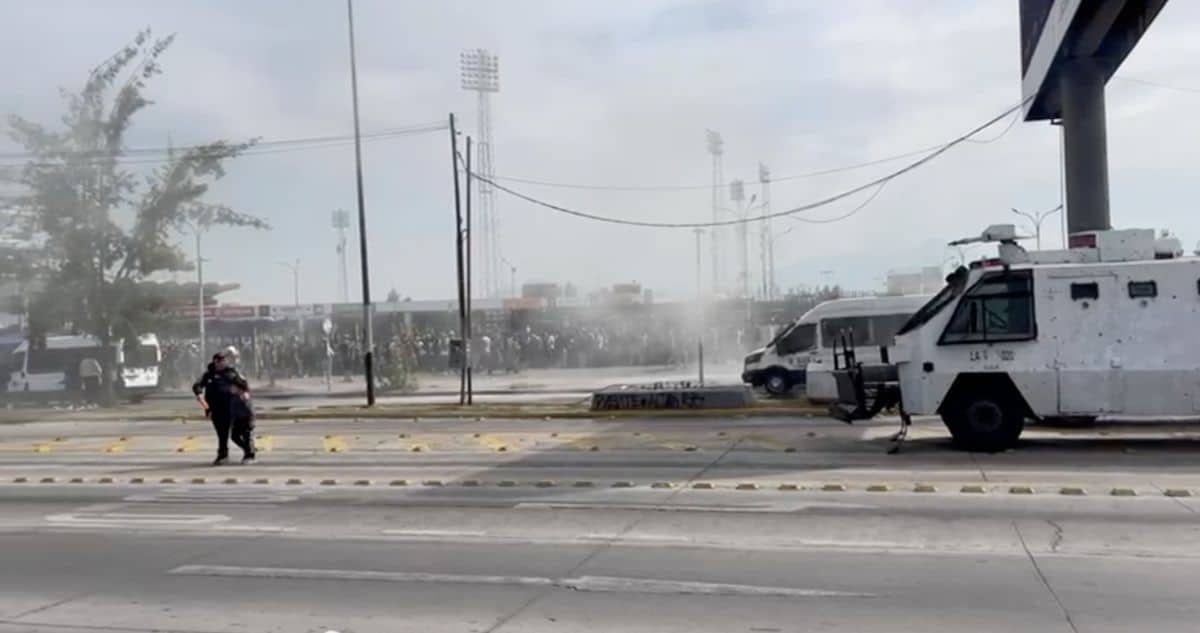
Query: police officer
(224, 394)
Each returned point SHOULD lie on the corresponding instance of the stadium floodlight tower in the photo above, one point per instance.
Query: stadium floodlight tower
(1069, 50)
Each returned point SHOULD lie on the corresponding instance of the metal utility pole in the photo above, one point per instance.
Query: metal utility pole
(458, 249)
(481, 74)
(468, 330)
(768, 240)
(699, 284)
(1036, 220)
(341, 222)
(716, 148)
(369, 334)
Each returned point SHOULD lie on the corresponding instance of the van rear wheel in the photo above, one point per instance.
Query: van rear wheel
(777, 383)
(985, 424)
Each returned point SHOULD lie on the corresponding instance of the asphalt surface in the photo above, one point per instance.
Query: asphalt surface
(667, 525)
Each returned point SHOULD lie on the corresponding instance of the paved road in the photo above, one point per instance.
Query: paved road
(667, 525)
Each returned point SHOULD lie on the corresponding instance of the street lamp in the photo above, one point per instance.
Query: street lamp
(198, 227)
(295, 268)
(1036, 219)
(512, 270)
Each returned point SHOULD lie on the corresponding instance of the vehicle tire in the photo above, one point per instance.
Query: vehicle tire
(777, 383)
(985, 424)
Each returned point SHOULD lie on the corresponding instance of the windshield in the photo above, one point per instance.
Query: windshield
(955, 283)
(800, 338)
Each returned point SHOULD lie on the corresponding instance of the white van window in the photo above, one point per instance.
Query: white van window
(798, 339)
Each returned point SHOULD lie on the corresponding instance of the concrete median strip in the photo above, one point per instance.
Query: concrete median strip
(601, 584)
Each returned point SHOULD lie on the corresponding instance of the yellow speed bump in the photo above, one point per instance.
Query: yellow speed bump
(703, 485)
(432, 483)
(187, 445)
(879, 488)
(294, 481)
(584, 484)
(137, 480)
(117, 447)
(334, 444)
(470, 483)
(746, 486)
(199, 480)
(789, 487)
(545, 483)
(232, 480)
(77, 480)
(21, 480)
(834, 487)
(1123, 492)
(662, 484)
(41, 448)
(48, 480)
(362, 482)
(507, 483)
(1073, 491)
(1020, 490)
(262, 481)
(622, 484)
(1177, 492)
(924, 488)
(398, 482)
(104, 480)
(328, 482)
(974, 489)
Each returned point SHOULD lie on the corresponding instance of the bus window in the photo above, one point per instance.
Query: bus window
(798, 339)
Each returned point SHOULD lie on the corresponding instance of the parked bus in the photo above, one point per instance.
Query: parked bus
(802, 353)
(42, 372)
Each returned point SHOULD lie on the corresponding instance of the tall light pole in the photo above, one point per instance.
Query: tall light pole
(481, 75)
(369, 337)
(1036, 219)
(699, 284)
(716, 148)
(768, 243)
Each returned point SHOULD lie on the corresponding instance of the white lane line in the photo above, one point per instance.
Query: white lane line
(608, 584)
(294, 573)
(760, 508)
(135, 520)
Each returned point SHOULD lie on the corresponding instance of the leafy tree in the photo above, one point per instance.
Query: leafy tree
(104, 229)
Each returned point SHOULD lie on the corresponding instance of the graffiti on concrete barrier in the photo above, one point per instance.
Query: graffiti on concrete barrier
(647, 400)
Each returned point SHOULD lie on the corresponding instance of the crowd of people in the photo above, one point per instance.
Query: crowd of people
(494, 349)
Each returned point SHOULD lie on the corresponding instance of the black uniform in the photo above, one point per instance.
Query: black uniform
(231, 416)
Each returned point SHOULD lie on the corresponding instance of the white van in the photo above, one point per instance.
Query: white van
(140, 372)
(41, 374)
(802, 353)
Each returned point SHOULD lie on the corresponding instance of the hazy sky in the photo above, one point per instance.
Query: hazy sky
(615, 93)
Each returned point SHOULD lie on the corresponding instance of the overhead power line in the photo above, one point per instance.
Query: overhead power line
(878, 182)
(799, 176)
(149, 155)
(1158, 85)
